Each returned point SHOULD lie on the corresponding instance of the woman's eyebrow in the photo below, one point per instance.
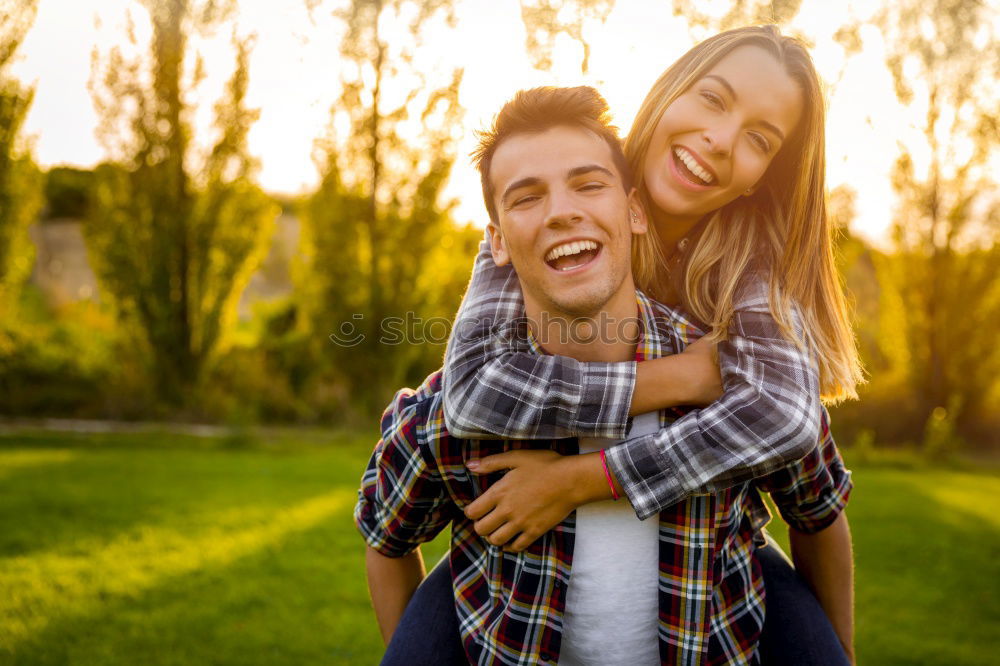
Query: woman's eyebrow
(732, 93)
(725, 84)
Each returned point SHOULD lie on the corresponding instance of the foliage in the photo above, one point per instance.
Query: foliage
(545, 20)
(174, 242)
(67, 192)
(378, 242)
(20, 183)
(945, 64)
(739, 13)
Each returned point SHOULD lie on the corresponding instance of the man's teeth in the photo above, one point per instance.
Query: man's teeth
(691, 163)
(565, 249)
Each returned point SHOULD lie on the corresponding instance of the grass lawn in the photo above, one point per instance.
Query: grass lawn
(164, 549)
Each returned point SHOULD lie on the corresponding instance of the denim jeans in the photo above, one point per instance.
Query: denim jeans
(796, 630)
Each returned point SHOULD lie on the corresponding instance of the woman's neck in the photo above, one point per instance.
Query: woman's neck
(670, 230)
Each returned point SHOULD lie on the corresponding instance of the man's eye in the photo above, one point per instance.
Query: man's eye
(590, 187)
(520, 201)
(712, 99)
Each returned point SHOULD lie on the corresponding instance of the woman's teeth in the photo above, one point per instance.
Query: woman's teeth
(692, 164)
(567, 249)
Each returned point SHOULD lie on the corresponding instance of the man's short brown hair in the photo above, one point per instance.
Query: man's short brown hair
(538, 109)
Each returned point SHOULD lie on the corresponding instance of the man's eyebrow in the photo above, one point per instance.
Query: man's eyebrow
(572, 173)
(517, 184)
(732, 93)
(589, 168)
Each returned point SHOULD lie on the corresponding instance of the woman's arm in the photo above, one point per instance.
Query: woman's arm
(494, 387)
(768, 416)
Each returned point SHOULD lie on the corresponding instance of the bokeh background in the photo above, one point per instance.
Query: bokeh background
(208, 208)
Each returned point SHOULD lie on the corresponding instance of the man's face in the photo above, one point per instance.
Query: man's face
(566, 222)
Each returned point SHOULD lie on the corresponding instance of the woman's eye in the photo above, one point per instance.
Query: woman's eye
(712, 99)
(760, 141)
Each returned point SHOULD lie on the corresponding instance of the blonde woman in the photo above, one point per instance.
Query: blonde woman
(727, 151)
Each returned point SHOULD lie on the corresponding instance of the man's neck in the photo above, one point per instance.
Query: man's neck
(607, 336)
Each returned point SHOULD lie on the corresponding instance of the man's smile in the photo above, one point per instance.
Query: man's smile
(572, 255)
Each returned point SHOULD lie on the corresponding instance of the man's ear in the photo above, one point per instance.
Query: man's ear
(638, 223)
(501, 257)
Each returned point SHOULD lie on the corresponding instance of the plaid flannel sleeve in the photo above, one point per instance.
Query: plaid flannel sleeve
(811, 492)
(494, 387)
(403, 501)
(768, 417)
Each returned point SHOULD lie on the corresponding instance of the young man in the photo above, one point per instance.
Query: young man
(601, 587)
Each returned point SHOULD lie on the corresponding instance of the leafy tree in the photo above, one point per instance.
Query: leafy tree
(945, 63)
(378, 241)
(174, 238)
(740, 13)
(20, 182)
(67, 192)
(545, 20)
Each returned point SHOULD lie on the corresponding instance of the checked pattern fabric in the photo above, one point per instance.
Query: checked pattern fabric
(510, 605)
(494, 386)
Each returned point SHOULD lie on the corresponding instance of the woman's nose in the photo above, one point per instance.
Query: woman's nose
(719, 139)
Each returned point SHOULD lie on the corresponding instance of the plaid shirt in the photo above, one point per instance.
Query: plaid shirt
(510, 605)
(769, 416)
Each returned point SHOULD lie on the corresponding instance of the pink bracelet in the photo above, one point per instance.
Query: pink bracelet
(607, 475)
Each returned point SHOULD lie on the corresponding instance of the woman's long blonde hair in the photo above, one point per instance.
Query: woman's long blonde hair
(782, 230)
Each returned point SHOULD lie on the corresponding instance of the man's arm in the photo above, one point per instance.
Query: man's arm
(826, 562)
(403, 501)
(391, 583)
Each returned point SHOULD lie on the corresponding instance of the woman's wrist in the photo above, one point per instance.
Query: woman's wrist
(586, 481)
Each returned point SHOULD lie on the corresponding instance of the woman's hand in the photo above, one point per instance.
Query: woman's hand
(539, 490)
(704, 374)
(689, 378)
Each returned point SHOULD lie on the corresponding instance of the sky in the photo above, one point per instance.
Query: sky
(294, 82)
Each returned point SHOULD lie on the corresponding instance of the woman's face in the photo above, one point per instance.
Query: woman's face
(715, 141)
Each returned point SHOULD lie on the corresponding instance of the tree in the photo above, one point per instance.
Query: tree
(174, 239)
(945, 63)
(20, 181)
(545, 20)
(378, 240)
(740, 13)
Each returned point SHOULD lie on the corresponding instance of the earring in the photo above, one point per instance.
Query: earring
(749, 191)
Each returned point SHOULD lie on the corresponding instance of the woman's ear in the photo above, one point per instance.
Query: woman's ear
(501, 257)
(637, 221)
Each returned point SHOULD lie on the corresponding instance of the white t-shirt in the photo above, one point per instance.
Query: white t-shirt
(611, 602)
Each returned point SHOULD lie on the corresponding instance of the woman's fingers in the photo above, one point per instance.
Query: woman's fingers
(489, 523)
(502, 535)
(494, 463)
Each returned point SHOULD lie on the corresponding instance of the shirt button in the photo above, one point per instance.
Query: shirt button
(546, 656)
(682, 244)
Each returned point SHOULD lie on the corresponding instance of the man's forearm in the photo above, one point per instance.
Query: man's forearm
(826, 562)
(391, 583)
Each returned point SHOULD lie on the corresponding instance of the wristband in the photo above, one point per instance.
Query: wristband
(607, 475)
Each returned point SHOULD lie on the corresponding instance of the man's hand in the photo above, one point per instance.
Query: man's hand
(540, 489)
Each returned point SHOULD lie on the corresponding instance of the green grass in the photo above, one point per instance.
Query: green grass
(162, 549)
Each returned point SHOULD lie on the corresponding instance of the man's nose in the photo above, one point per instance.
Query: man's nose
(563, 208)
